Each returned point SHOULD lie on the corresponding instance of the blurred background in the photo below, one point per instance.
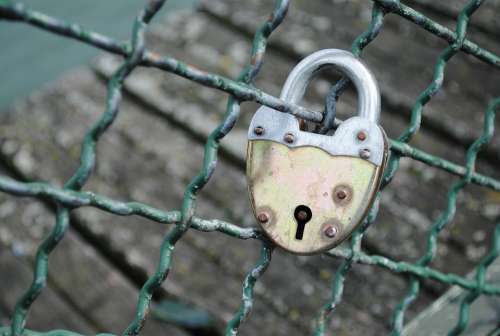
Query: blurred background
(55, 55)
(54, 89)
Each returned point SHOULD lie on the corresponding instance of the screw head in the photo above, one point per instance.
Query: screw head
(330, 231)
(341, 194)
(364, 153)
(289, 138)
(259, 130)
(361, 136)
(263, 217)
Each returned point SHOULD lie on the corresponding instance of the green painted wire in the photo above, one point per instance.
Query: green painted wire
(255, 273)
(439, 69)
(394, 161)
(70, 196)
(40, 273)
(410, 14)
(74, 199)
(239, 89)
(358, 45)
(433, 88)
(87, 163)
(485, 138)
(449, 213)
(209, 163)
(18, 12)
(481, 269)
(351, 256)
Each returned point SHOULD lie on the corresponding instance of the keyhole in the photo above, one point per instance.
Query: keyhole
(302, 214)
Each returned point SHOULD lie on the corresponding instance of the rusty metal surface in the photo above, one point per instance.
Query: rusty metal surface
(282, 179)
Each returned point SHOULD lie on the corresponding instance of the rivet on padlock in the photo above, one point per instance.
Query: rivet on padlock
(310, 191)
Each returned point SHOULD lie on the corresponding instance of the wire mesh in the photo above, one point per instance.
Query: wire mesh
(241, 90)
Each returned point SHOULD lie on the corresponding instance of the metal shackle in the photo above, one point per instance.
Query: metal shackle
(349, 65)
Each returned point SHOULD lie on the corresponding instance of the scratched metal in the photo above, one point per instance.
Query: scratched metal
(282, 179)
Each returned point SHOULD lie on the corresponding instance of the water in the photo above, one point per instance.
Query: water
(30, 57)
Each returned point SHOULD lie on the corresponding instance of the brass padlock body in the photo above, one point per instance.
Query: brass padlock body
(310, 191)
(333, 195)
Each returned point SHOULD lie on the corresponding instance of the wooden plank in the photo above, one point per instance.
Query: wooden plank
(88, 283)
(443, 314)
(15, 277)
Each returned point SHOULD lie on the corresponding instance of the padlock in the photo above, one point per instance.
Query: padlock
(310, 191)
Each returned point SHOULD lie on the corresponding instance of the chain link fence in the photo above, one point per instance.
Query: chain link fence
(241, 90)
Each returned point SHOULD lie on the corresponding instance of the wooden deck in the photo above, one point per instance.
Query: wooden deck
(156, 146)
